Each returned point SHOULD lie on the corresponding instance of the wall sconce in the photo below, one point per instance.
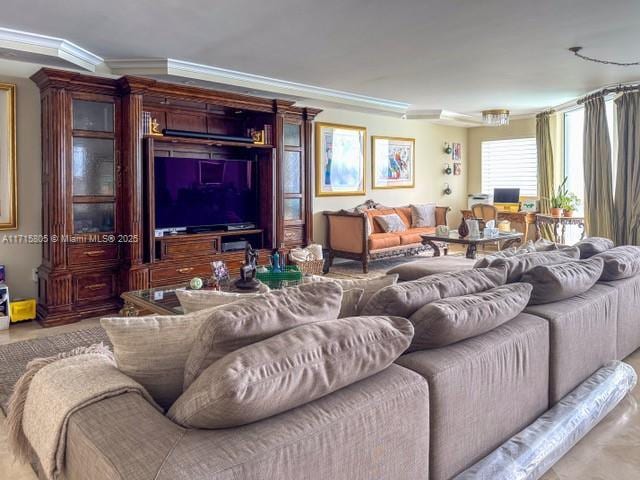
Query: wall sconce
(447, 189)
(447, 148)
(447, 169)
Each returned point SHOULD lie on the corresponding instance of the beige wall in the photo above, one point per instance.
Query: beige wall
(430, 162)
(20, 259)
(521, 128)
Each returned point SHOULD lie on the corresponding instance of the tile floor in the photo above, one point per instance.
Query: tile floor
(611, 451)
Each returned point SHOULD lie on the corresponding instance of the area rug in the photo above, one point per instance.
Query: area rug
(15, 356)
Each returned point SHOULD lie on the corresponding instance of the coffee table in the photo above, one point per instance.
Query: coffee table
(159, 300)
(472, 243)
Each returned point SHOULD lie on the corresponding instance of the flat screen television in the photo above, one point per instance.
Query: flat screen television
(204, 194)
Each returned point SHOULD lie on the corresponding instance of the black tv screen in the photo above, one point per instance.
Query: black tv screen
(197, 193)
(506, 195)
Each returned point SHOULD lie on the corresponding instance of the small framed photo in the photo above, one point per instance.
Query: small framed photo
(220, 271)
(456, 154)
(340, 156)
(457, 169)
(393, 162)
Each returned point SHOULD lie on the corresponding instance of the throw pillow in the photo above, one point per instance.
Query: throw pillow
(544, 245)
(451, 320)
(404, 299)
(552, 283)
(593, 245)
(350, 302)
(289, 370)
(391, 223)
(519, 264)
(237, 325)
(194, 300)
(485, 262)
(370, 285)
(153, 350)
(620, 262)
(423, 215)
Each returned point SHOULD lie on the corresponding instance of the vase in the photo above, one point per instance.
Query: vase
(556, 212)
(463, 229)
(568, 213)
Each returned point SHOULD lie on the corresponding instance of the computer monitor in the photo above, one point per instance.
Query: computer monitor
(506, 195)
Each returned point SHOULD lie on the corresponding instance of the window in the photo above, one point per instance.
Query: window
(510, 164)
(573, 165)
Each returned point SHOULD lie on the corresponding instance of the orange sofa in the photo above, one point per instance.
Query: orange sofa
(356, 235)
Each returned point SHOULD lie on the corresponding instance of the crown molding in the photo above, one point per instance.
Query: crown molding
(180, 70)
(49, 50)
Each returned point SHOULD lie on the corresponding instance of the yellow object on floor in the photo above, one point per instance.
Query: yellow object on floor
(22, 310)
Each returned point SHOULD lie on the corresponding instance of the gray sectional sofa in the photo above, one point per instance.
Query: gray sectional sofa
(431, 415)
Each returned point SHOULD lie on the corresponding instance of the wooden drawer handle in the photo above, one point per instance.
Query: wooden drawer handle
(184, 270)
(96, 286)
(93, 253)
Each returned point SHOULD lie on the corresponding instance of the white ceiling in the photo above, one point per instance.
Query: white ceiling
(459, 55)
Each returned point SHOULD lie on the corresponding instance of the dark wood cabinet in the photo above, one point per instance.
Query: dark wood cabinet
(98, 194)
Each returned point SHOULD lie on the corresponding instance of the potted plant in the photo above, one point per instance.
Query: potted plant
(558, 198)
(570, 204)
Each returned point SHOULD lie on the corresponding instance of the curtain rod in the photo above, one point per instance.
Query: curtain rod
(606, 91)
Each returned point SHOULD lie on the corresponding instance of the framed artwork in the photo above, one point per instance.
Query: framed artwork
(457, 169)
(393, 162)
(8, 177)
(340, 154)
(456, 154)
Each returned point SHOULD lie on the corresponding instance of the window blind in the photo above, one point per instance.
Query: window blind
(510, 163)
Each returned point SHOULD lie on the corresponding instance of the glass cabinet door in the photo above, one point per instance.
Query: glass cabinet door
(92, 116)
(93, 217)
(93, 166)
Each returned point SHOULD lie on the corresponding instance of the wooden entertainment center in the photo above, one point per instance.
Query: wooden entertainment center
(98, 204)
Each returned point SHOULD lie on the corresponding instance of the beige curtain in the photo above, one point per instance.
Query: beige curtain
(598, 195)
(545, 168)
(627, 199)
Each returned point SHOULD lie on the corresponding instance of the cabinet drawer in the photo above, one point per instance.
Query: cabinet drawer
(188, 248)
(293, 236)
(168, 275)
(91, 253)
(89, 287)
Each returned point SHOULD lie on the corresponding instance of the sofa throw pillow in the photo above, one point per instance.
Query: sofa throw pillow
(593, 245)
(404, 299)
(391, 223)
(454, 319)
(423, 215)
(350, 302)
(370, 285)
(552, 283)
(620, 262)
(242, 323)
(194, 300)
(485, 262)
(519, 264)
(153, 350)
(431, 266)
(289, 370)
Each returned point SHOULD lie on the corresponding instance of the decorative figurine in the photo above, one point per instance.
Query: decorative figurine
(154, 126)
(248, 279)
(463, 229)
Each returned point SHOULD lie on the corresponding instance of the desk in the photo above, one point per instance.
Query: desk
(523, 218)
(557, 222)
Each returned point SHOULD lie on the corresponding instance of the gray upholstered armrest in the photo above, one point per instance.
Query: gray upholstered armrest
(122, 437)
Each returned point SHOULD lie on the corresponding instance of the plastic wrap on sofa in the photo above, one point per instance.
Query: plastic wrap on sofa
(533, 451)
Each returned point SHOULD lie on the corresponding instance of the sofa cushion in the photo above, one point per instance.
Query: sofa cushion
(372, 213)
(593, 245)
(582, 336)
(423, 215)
(404, 299)
(350, 302)
(451, 320)
(519, 264)
(194, 300)
(628, 327)
(430, 266)
(412, 235)
(370, 285)
(240, 324)
(552, 283)
(482, 391)
(620, 262)
(378, 241)
(506, 253)
(290, 369)
(391, 223)
(153, 350)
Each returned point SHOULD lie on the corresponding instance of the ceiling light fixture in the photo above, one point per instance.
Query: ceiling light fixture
(496, 117)
(576, 52)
